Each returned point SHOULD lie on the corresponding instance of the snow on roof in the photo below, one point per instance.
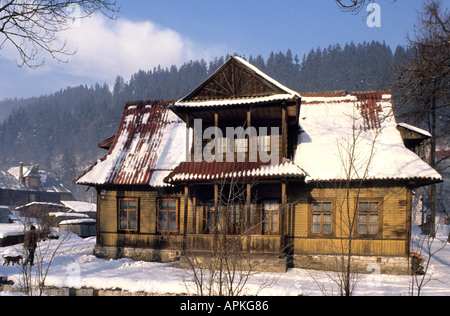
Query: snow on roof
(198, 171)
(49, 182)
(331, 125)
(42, 204)
(150, 139)
(78, 221)
(415, 129)
(15, 229)
(239, 101)
(285, 92)
(80, 207)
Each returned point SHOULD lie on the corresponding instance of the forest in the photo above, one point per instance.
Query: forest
(60, 132)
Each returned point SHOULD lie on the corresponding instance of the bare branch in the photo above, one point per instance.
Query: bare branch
(33, 27)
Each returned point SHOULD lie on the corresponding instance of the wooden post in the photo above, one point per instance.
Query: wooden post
(216, 215)
(189, 154)
(283, 213)
(284, 131)
(194, 208)
(186, 210)
(248, 227)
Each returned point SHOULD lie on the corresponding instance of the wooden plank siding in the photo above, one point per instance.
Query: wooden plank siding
(392, 240)
(394, 217)
(147, 235)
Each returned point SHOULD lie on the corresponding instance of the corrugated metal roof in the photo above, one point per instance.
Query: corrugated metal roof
(150, 140)
(201, 171)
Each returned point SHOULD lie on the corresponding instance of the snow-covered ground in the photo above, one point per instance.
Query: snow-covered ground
(75, 266)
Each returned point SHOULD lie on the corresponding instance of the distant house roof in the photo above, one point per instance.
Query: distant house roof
(80, 207)
(9, 180)
(150, 142)
(415, 129)
(333, 125)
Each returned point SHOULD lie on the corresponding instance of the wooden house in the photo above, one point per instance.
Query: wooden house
(247, 166)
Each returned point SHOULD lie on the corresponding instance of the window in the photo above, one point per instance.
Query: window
(168, 215)
(241, 145)
(222, 145)
(264, 143)
(128, 214)
(271, 210)
(368, 218)
(322, 214)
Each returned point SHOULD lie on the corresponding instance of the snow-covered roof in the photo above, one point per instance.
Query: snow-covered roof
(200, 171)
(78, 221)
(80, 207)
(364, 124)
(10, 180)
(415, 129)
(149, 144)
(41, 204)
(279, 93)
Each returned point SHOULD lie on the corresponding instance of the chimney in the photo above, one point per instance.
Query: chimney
(21, 179)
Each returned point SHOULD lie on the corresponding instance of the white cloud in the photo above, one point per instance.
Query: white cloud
(106, 48)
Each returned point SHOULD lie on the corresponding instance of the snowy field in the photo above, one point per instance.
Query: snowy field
(75, 266)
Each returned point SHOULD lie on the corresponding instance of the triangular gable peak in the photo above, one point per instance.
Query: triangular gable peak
(237, 79)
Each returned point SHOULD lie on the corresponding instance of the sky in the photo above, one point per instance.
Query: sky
(148, 33)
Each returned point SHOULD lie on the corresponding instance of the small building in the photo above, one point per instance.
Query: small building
(82, 227)
(82, 208)
(304, 179)
(25, 184)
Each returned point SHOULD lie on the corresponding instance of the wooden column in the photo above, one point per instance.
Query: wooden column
(194, 210)
(216, 216)
(248, 227)
(249, 123)
(189, 154)
(284, 131)
(186, 211)
(284, 206)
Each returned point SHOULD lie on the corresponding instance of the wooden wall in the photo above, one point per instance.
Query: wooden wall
(392, 240)
(147, 235)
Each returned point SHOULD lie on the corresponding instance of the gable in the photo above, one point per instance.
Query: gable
(236, 79)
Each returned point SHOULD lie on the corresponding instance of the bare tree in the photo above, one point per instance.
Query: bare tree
(423, 249)
(354, 6)
(33, 26)
(423, 83)
(356, 154)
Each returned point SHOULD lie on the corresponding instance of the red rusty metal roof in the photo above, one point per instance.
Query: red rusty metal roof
(207, 171)
(146, 147)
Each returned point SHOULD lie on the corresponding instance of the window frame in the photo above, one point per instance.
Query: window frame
(322, 212)
(368, 213)
(128, 211)
(270, 223)
(177, 216)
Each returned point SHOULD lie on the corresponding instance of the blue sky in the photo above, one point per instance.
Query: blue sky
(166, 32)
